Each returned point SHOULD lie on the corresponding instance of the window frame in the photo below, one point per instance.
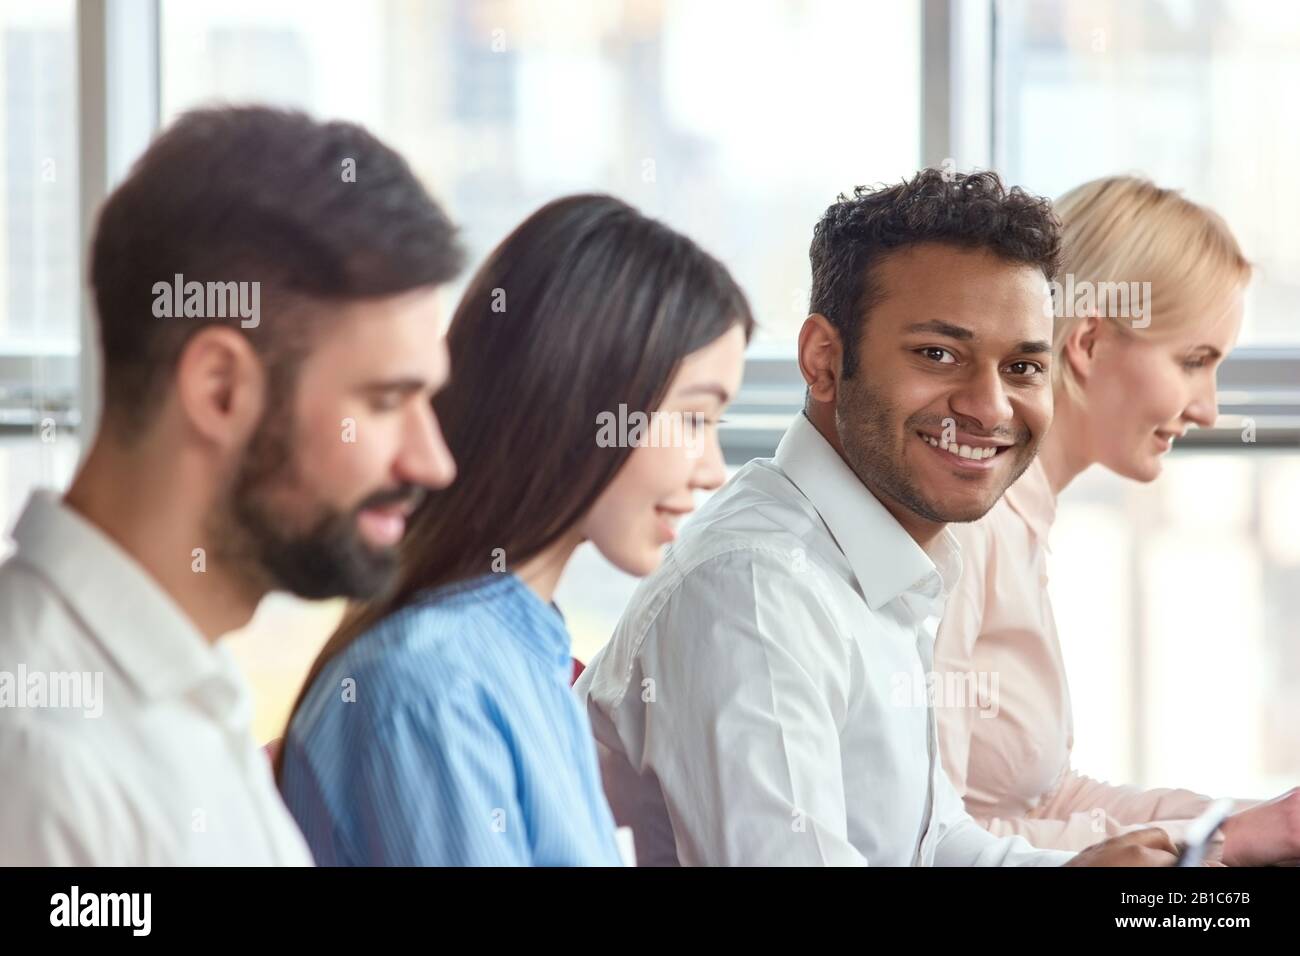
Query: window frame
(1258, 383)
(119, 110)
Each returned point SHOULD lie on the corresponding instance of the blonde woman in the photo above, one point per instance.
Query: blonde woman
(1127, 383)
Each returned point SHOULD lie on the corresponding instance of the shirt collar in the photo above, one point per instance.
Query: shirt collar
(886, 560)
(1031, 497)
(156, 647)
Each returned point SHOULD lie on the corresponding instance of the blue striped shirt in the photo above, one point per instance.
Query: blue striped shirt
(448, 735)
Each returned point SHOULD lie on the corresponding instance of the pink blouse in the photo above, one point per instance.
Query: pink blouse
(1002, 701)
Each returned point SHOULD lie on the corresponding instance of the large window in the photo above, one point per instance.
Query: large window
(39, 342)
(1196, 94)
(1176, 603)
(736, 121)
(739, 121)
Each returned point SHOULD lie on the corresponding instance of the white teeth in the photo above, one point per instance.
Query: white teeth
(974, 453)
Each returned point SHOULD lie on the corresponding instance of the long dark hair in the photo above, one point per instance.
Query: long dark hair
(586, 305)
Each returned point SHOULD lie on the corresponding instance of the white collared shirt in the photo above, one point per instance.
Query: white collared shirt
(124, 736)
(763, 699)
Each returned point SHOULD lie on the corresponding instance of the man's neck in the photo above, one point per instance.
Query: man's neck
(148, 508)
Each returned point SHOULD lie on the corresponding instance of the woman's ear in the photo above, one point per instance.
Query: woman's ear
(1080, 345)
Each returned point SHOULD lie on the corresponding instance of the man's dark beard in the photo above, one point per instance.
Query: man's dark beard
(329, 558)
(864, 421)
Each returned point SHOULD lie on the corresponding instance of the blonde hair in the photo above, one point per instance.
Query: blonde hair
(1124, 229)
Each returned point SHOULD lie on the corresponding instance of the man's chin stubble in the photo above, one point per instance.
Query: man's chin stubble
(914, 500)
(975, 512)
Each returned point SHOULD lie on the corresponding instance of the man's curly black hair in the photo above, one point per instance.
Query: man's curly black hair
(971, 210)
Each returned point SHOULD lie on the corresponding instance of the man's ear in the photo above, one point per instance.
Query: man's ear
(820, 357)
(1080, 346)
(221, 386)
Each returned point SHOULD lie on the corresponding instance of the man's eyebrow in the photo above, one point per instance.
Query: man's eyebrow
(1037, 347)
(939, 327)
(408, 384)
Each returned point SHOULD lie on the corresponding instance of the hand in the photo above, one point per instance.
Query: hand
(1151, 847)
(1265, 834)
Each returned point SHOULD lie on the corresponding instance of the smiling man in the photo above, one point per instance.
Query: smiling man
(748, 707)
(234, 458)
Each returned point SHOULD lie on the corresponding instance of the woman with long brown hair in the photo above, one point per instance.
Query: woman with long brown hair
(591, 356)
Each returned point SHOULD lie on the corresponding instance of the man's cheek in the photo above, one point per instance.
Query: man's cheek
(345, 474)
(339, 436)
(915, 395)
(365, 457)
(328, 451)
